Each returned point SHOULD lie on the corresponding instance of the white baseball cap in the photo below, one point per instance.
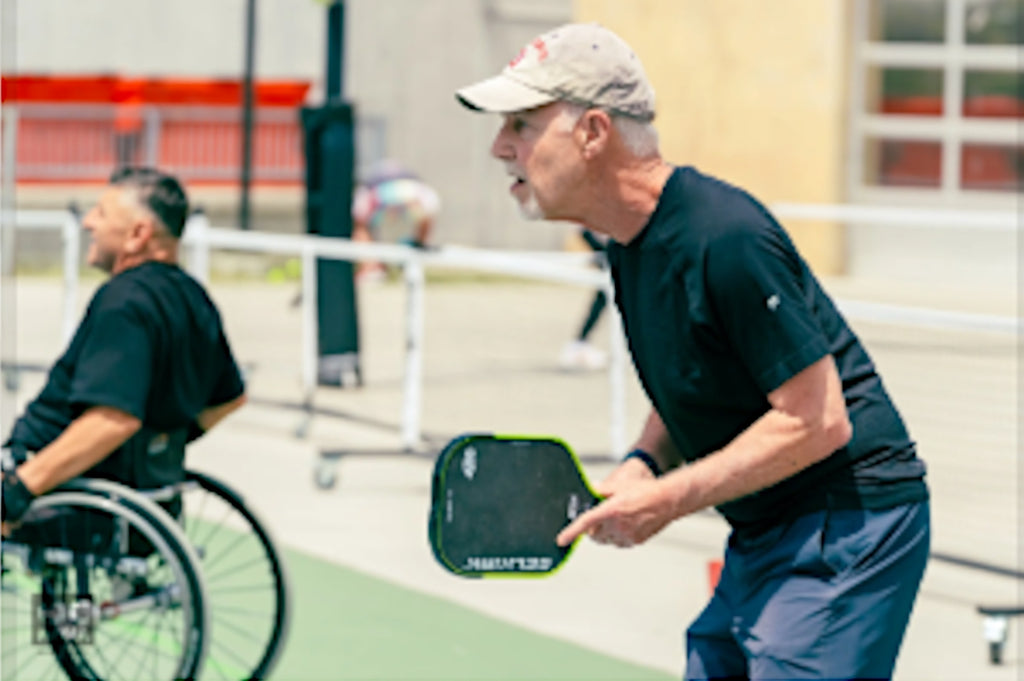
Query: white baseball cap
(580, 63)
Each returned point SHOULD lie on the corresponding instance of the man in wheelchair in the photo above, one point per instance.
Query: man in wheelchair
(85, 547)
(148, 369)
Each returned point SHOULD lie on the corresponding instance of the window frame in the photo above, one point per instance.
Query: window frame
(954, 58)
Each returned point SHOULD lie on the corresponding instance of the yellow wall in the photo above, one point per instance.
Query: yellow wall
(753, 91)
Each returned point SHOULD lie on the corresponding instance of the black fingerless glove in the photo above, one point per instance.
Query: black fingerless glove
(15, 498)
(12, 455)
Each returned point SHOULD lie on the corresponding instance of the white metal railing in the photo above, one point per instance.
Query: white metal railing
(926, 218)
(201, 238)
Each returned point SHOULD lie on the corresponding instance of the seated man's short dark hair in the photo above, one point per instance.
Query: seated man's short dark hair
(159, 192)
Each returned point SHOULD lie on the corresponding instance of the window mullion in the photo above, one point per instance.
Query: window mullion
(953, 95)
(856, 179)
(905, 54)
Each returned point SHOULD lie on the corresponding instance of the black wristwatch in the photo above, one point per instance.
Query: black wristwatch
(646, 458)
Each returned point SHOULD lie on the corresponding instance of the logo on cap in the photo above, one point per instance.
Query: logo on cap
(538, 44)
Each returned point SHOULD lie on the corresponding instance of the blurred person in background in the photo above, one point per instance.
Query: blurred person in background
(148, 369)
(392, 204)
(580, 353)
(764, 403)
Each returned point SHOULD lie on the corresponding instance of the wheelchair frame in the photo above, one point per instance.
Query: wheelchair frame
(97, 565)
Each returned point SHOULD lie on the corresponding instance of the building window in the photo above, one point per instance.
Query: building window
(938, 99)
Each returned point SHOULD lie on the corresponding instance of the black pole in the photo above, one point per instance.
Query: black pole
(330, 164)
(335, 50)
(247, 112)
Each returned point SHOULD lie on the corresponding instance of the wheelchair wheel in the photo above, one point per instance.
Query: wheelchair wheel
(95, 587)
(246, 584)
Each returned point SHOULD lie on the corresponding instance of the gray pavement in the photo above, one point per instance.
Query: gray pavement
(490, 364)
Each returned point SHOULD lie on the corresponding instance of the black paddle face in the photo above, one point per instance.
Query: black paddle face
(498, 502)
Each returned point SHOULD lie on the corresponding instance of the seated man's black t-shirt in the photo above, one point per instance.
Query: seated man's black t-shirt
(719, 310)
(151, 344)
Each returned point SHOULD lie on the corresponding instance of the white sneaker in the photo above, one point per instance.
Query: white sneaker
(581, 355)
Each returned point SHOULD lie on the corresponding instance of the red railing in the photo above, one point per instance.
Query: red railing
(76, 129)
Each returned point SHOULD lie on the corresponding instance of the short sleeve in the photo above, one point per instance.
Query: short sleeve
(755, 281)
(114, 368)
(230, 384)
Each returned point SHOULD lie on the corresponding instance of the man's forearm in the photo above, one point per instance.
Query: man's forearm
(654, 439)
(806, 423)
(211, 416)
(775, 447)
(88, 440)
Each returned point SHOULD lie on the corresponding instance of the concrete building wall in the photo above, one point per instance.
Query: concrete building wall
(186, 38)
(405, 60)
(753, 92)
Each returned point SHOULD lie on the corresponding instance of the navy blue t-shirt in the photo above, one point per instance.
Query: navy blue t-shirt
(151, 344)
(719, 310)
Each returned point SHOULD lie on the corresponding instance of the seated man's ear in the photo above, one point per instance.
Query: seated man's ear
(143, 229)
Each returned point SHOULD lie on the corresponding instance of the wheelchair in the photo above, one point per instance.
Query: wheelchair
(100, 581)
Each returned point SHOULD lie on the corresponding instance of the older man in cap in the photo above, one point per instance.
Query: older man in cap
(765, 405)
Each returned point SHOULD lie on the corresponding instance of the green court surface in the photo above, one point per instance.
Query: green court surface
(348, 625)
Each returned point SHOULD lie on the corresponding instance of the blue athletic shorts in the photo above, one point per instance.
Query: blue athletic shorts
(825, 596)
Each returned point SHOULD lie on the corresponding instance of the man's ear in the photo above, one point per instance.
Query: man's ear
(595, 128)
(140, 233)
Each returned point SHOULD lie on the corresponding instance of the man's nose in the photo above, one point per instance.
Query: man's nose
(500, 148)
(87, 222)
